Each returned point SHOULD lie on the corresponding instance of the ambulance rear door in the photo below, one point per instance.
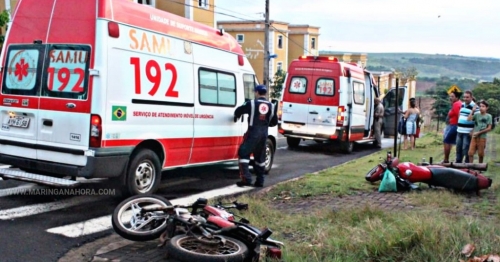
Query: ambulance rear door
(391, 113)
(65, 101)
(323, 100)
(296, 96)
(21, 80)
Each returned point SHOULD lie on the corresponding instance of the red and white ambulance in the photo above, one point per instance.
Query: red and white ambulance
(116, 89)
(327, 100)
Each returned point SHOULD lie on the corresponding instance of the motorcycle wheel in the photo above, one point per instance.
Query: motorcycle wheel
(187, 248)
(128, 227)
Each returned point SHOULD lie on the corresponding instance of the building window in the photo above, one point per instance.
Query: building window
(203, 4)
(217, 88)
(240, 38)
(279, 66)
(313, 43)
(280, 41)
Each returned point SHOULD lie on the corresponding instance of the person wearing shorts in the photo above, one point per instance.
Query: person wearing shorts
(482, 125)
(450, 133)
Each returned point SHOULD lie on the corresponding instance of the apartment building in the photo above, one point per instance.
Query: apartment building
(286, 41)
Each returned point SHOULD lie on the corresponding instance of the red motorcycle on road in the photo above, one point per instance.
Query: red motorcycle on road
(199, 232)
(460, 178)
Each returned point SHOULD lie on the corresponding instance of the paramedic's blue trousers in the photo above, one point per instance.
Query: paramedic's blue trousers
(253, 142)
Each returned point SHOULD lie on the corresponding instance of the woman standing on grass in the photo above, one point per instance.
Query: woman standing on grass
(482, 125)
(411, 116)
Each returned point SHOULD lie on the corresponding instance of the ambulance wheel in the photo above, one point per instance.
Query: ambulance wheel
(292, 142)
(347, 146)
(269, 156)
(144, 173)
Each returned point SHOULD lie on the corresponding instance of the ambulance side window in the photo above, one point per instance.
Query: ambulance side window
(22, 71)
(66, 72)
(217, 88)
(249, 84)
(359, 93)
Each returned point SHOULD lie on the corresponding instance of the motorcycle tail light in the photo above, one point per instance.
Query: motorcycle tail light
(273, 252)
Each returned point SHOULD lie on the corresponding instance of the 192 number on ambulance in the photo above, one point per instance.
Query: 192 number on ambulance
(154, 75)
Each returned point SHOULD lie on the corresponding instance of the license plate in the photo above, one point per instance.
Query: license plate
(19, 121)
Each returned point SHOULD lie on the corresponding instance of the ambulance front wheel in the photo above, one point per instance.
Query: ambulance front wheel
(144, 173)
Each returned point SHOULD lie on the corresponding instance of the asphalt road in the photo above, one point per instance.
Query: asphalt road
(25, 219)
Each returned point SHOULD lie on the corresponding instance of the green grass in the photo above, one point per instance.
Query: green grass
(435, 231)
(349, 177)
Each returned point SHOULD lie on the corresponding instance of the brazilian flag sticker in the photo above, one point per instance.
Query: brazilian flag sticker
(119, 113)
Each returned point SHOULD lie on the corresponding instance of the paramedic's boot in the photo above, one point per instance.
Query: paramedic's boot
(243, 183)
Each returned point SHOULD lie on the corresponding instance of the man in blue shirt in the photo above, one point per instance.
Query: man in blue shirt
(465, 128)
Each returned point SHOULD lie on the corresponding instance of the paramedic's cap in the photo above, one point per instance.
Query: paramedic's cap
(261, 89)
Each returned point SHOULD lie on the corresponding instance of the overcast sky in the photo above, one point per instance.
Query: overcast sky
(468, 28)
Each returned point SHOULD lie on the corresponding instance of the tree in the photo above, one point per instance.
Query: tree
(277, 84)
(491, 93)
(441, 104)
(4, 19)
(406, 74)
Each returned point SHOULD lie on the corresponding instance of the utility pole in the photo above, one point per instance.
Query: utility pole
(266, 48)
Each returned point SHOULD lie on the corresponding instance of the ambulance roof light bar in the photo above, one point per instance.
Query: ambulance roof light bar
(319, 58)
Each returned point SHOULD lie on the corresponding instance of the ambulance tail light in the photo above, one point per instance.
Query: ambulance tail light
(113, 29)
(341, 116)
(241, 61)
(95, 131)
(280, 110)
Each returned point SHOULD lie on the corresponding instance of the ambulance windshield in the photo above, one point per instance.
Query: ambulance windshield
(249, 83)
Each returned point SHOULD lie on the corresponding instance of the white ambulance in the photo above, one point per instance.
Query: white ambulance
(115, 89)
(327, 100)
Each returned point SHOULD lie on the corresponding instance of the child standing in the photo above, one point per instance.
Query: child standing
(482, 125)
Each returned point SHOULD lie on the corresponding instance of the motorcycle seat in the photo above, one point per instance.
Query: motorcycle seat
(453, 178)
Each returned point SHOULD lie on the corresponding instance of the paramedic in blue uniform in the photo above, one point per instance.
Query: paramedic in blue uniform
(261, 116)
